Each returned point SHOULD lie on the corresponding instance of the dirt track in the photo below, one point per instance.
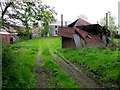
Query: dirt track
(81, 79)
(40, 72)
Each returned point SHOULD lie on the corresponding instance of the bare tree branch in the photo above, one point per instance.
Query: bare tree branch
(7, 6)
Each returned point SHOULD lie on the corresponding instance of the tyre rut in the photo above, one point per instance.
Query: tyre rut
(81, 79)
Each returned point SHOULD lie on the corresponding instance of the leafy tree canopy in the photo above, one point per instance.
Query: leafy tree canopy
(111, 22)
(26, 14)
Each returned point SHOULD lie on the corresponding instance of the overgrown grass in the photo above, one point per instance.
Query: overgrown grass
(17, 65)
(102, 62)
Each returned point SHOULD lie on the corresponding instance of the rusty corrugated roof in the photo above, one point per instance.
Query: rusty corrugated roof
(69, 32)
(81, 32)
(66, 32)
(79, 22)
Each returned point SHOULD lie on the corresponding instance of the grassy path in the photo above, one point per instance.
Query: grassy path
(54, 76)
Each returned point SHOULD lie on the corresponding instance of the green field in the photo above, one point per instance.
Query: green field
(19, 60)
(18, 63)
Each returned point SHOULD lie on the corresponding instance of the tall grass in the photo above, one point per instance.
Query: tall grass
(17, 65)
(102, 62)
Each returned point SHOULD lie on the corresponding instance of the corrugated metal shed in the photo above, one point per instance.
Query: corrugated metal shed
(89, 34)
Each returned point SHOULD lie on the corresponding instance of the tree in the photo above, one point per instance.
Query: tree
(30, 14)
(111, 22)
(3, 9)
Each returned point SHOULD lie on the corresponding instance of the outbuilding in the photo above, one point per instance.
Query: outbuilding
(5, 38)
(83, 34)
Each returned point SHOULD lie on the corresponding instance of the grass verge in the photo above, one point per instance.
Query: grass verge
(102, 62)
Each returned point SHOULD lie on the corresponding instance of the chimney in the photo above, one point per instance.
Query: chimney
(66, 23)
(61, 19)
(107, 20)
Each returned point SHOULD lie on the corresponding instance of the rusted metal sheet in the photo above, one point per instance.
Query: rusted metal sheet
(66, 32)
(79, 22)
(81, 32)
(94, 41)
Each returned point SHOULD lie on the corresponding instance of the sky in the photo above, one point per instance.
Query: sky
(94, 10)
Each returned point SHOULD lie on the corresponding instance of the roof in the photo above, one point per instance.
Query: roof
(9, 29)
(81, 32)
(5, 33)
(66, 32)
(69, 32)
(92, 28)
(79, 22)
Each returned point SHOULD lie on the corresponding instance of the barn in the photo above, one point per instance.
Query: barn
(83, 34)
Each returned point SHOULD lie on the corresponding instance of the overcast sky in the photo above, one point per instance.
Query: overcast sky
(93, 9)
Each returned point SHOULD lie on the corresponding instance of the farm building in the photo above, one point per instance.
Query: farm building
(83, 34)
(8, 36)
(5, 38)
